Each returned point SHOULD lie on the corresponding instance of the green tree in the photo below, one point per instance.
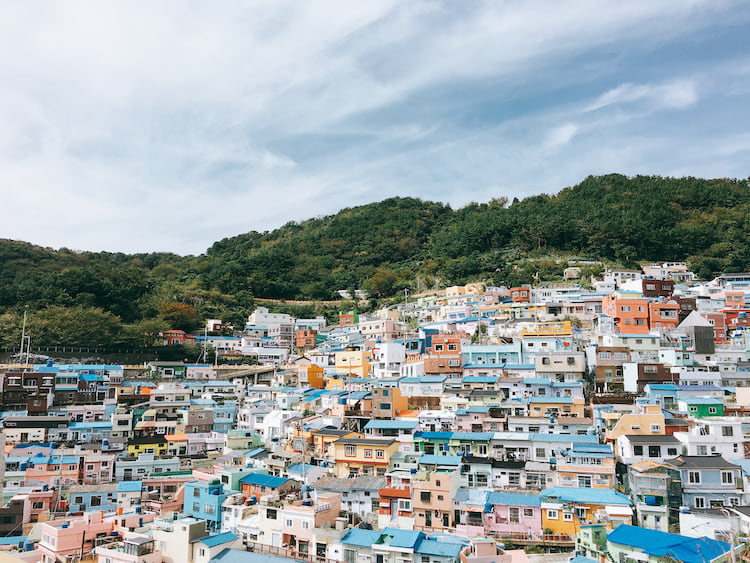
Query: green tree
(181, 316)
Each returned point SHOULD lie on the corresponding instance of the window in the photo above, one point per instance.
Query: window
(702, 450)
(404, 504)
(671, 451)
(528, 512)
(654, 451)
(568, 516)
(727, 477)
(514, 478)
(637, 450)
(380, 454)
(271, 514)
(700, 502)
(96, 501)
(350, 450)
(37, 505)
(727, 431)
(711, 410)
(694, 477)
(656, 428)
(289, 523)
(196, 493)
(368, 453)
(635, 427)
(552, 514)
(385, 406)
(196, 507)
(209, 509)
(424, 496)
(541, 452)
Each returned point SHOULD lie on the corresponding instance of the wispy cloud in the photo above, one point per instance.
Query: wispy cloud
(676, 95)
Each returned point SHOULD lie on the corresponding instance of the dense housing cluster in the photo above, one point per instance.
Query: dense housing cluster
(475, 424)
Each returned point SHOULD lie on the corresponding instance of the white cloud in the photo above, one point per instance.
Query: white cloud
(561, 135)
(165, 126)
(675, 95)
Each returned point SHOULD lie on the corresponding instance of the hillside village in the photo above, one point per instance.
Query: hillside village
(475, 424)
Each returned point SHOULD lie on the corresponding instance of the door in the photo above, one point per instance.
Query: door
(276, 539)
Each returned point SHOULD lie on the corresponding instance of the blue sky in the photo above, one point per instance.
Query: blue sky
(165, 126)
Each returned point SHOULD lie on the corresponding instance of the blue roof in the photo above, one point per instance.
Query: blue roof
(439, 548)
(300, 467)
(218, 539)
(586, 495)
(429, 459)
(514, 499)
(553, 400)
(98, 424)
(363, 538)
(663, 544)
(262, 480)
(473, 436)
(478, 379)
(129, 486)
(424, 379)
(434, 435)
(403, 538)
(391, 425)
(703, 401)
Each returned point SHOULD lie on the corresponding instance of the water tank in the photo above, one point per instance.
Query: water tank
(28, 545)
(45, 487)
(413, 470)
(306, 503)
(65, 525)
(137, 509)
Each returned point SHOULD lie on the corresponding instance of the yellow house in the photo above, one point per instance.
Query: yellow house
(563, 406)
(648, 422)
(354, 362)
(156, 445)
(566, 509)
(362, 456)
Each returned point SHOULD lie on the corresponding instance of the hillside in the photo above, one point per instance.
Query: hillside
(385, 247)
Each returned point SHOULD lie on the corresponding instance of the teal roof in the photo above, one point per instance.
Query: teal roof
(586, 495)
(391, 425)
(218, 539)
(428, 459)
(129, 486)
(362, 538)
(439, 548)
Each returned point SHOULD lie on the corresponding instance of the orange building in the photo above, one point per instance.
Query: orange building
(629, 311)
(520, 294)
(664, 316)
(305, 339)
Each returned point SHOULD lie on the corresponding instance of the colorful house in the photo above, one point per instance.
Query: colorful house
(565, 509)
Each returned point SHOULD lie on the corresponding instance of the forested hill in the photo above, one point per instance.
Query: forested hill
(384, 247)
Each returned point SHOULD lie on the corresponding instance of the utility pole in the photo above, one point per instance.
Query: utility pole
(23, 337)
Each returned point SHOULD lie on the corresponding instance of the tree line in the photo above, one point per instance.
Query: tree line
(382, 247)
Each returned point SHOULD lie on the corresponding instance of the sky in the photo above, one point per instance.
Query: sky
(165, 126)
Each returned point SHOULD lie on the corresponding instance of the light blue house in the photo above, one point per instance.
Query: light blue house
(203, 500)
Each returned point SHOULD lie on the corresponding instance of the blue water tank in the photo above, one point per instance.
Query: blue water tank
(28, 545)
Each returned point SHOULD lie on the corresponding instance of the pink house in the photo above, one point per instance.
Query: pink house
(303, 516)
(513, 513)
(72, 536)
(80, 534)
(486, 550)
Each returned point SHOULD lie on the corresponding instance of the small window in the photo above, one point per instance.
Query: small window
(552, 514)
